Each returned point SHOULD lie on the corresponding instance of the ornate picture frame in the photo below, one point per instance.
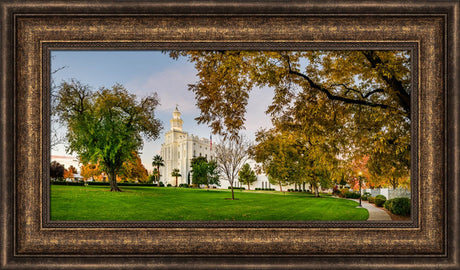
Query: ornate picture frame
(30, 30)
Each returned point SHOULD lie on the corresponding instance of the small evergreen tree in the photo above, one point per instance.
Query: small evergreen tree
(246, 175)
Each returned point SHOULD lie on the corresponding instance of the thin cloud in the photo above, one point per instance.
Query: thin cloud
(171, 84)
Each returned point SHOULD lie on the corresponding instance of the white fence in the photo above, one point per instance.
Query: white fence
(389, 193)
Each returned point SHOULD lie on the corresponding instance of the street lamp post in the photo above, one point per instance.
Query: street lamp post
(359, 179)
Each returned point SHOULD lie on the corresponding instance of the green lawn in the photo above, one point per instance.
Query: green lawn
(154, 203)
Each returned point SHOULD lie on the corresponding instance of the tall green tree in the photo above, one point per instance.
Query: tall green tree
(106, 125)
(292, 158)
(246, 175)
(158, 162)
(213, 173)
(204, 172)
(176, 173)
(199, 170)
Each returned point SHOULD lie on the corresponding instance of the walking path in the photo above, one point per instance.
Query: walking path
(375, 213)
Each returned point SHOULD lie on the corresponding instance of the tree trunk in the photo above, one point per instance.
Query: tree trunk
(281, 188)
(176, 181)
(158, 175)
(314, 188)
(394, 183)
(249, 187)
(113, 181)
(231, 187)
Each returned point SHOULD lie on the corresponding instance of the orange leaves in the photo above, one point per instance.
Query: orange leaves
(68, 174)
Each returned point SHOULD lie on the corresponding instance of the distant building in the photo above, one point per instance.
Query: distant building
(178, 149)
(67, 161)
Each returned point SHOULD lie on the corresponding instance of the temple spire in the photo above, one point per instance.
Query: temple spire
(176, 121)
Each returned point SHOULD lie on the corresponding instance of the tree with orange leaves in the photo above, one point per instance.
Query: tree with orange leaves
(90, 170)
(134, 170)
(68, 173)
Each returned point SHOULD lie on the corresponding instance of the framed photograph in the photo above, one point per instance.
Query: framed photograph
(209, 59)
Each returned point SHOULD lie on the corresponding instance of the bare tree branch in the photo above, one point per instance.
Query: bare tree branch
(230, 155)
(335, 97)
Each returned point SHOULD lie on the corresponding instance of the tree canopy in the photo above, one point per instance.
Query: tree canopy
(106, 125)
(356, 103)
(56, 170)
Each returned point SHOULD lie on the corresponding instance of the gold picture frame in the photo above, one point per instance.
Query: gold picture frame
(31, 30)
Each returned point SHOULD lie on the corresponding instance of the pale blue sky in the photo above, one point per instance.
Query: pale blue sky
(145, 72)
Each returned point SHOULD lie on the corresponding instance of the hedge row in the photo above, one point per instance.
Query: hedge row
(258, 188)
(64, 183)
(242, 188)
(297, 190)
(81, 183)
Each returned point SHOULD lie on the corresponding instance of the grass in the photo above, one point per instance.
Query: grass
(154, 203)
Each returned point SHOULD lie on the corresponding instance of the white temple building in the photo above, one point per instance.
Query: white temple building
(180, 147)
(178, 150)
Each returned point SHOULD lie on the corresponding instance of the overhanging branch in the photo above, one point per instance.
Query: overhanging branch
(335, 97)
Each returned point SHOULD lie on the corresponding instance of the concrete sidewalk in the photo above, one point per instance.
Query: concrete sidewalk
(375, 213)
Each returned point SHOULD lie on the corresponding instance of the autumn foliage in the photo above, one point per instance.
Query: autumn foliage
(339, 106)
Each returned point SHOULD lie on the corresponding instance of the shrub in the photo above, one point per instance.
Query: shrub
(183, 185)
(380, 200)
(351, 195)
(336, 191)
(399, 206)
(387, 204)
(343, 192)
(371, 199)
(168, 185)
(365, 196)
(161, 184)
